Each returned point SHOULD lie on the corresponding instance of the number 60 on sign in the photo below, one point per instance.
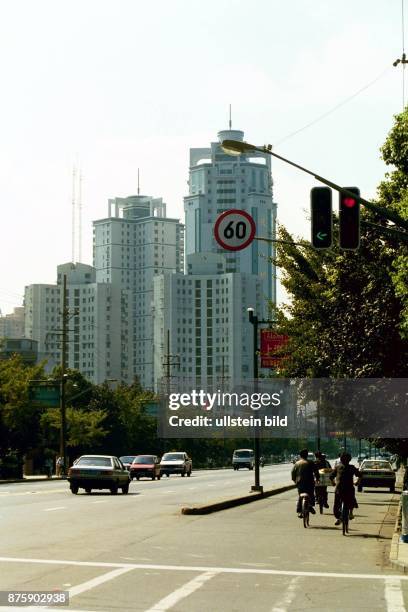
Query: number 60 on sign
(234, 229)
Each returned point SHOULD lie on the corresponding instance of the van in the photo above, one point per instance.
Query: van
(243, 457)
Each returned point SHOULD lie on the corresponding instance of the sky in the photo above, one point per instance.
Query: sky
(117, 85)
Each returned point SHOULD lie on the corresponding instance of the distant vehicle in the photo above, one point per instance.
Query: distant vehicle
(243, 457)
(176, 463)
(376, 473)
(98, 472)
(147, 466)
(127, 460)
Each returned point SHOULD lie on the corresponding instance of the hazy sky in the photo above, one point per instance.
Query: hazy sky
(122, 84)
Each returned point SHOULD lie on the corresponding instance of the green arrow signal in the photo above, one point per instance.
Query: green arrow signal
(321, 236)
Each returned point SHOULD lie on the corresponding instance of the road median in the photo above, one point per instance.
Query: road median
(235, 501)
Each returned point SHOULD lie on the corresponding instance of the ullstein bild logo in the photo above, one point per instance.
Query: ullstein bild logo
(207, 401)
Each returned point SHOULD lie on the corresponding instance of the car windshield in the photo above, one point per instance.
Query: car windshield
(173, 457)
(243, 453)
(144, 459)
(127, 458)
(383, 465)
(99, 461)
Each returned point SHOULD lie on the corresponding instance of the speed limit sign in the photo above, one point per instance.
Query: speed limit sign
(234, 229)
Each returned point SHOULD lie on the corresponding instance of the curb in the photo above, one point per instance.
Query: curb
(395, 543)
(236, 501)
(28, 480)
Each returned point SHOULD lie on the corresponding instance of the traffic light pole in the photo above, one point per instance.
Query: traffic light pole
(63, 430)
(242, 147)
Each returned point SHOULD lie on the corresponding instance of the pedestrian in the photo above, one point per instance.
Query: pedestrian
(60, 466)
(48, 467)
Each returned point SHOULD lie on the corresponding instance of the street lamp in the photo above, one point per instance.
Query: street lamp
(253, 319)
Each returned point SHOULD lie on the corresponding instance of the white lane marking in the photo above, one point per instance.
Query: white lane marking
(211, 485)
(56, 508)
(199, 568)
(94, 582)
(169, 491)
(393, 595)
(37, 492)
(100, 501)
(283, 604)
(171, 600)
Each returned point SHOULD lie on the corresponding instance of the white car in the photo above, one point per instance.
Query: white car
(176, 463)
(243, 457)
(98, 472)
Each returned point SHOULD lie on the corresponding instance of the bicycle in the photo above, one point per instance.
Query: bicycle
(305, 508)
(321, 497)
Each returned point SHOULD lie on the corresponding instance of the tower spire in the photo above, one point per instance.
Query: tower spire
(230, 121)
(138, 184)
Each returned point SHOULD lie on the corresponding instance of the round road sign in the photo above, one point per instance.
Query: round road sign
(234, 229)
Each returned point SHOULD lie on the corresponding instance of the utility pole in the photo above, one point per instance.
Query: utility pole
(169, 361)
(63, 430)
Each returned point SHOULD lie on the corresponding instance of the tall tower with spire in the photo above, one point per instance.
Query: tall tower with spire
(218, 182)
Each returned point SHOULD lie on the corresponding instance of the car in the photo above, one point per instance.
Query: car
(127, 460)
(98, 472)
(145, 466)
(176, 463)
(376, 473)
(243, 457)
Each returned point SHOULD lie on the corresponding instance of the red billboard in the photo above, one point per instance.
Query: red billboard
(271, 348)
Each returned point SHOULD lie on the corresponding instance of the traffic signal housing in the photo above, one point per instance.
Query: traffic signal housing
(322, 217)
(349, 220)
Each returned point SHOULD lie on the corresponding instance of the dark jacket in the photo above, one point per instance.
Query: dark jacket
(304, 473)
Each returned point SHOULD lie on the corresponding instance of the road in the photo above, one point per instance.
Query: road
(138, 553)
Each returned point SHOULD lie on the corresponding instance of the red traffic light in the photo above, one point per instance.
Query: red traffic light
(349, 202)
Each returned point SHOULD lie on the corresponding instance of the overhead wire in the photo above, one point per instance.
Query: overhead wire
(332, 110)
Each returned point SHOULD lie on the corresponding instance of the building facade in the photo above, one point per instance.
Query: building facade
(133, 245)
(12, 325)
(93, 317)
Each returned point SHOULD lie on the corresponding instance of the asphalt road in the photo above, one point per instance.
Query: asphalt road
(138, 553)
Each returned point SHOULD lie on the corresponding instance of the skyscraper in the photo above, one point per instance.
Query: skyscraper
(135, 243)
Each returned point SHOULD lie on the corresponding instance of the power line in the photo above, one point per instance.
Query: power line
(332, 110)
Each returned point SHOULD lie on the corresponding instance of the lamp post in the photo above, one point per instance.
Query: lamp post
(255, 322)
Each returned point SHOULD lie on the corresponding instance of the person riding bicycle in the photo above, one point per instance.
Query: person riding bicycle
(322, 464)
(304, 474)
(342, 477)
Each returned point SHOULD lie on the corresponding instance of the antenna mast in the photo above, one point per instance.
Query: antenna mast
(138, 184)
(230, 120)
(73, 219)
(80, 216)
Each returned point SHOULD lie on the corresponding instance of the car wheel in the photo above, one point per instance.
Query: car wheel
(114, 490)
(125, 489)
(392, 488)
(74, 489)
(137, 477)
(88, 490)
(153, 477)
(359, 488)
(167, 475)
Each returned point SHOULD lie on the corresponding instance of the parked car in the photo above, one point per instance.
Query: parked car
(147, 466)
(98, 472)
(243, 457)
(176, 463)
(127, 460)
(376, 473)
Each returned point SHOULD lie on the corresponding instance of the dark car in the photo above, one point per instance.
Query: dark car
(98, 472)
(145, 466)
(127, 460)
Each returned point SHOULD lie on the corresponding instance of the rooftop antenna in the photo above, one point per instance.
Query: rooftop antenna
(80, 215)
(403, 60)
(73, 218)
(138, 184)
(230, 121)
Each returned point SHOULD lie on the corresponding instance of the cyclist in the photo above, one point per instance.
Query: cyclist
(321, 463)
(342, 477)
(304, 473)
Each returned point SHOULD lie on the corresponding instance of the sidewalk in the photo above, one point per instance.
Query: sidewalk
(36, 478)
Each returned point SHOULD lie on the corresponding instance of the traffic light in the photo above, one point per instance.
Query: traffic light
(321, 214)
(349, 220)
